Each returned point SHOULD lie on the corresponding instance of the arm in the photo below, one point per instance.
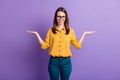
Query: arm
(84, 34)
(37, 35)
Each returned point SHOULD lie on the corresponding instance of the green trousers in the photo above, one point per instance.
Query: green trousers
(59, 68)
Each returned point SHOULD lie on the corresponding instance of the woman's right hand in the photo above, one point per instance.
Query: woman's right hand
(37, 35)
(32, 32)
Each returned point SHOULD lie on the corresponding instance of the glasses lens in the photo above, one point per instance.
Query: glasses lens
(60, 17)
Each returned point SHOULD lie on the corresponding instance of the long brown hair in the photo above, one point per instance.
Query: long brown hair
(66, 23)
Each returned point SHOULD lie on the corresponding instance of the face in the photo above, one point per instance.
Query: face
(61, 17)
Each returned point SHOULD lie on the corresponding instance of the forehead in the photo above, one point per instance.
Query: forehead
(60, 13)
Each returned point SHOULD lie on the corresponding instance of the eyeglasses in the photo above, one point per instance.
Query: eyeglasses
(62, 17)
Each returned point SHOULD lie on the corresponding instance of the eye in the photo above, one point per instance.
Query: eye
(60, 17)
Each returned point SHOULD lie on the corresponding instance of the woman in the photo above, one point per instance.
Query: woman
(58, 39)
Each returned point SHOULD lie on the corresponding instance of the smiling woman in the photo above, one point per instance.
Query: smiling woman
(58, 40)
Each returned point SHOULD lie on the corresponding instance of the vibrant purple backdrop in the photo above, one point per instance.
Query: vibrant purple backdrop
(21, 57)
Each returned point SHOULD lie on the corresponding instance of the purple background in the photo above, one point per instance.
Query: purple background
(21, 58)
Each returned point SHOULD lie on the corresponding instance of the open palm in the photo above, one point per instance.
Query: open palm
(89, 32)
(33, 32)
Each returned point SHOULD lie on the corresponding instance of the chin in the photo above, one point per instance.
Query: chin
(60, 23)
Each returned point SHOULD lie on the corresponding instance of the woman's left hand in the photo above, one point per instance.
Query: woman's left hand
(89, 32)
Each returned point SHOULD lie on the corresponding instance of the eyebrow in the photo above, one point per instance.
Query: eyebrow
(60, 16)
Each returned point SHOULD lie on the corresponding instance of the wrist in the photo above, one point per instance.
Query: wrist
(84, 33)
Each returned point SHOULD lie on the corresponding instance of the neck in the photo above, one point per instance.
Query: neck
(60, 27)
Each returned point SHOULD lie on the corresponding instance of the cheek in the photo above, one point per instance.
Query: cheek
(60, 20)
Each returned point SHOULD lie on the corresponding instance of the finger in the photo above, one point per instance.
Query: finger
(93, 31)
(28, 31)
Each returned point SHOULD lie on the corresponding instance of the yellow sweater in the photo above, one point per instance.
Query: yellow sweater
(59, 43)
